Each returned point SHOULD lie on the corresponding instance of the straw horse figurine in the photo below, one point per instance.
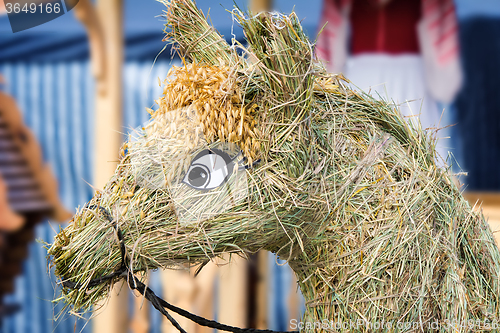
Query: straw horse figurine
(266, 150)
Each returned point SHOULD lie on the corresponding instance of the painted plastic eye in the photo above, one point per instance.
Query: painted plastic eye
(209, 169)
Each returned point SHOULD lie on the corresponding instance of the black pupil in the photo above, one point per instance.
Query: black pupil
(198, 176)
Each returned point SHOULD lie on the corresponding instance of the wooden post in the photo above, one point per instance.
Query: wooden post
(194, 294)
(178, 289)
(108, 126)
(140, 321)
(489, 202)
(293, 299)
(108, 119)
(260, 5)
(87, 14)
(233, 292)
(262, 290)
(204, 298)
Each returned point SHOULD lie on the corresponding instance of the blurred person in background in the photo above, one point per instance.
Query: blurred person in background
(402, 50)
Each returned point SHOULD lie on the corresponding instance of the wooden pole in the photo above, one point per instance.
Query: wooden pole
(262, 290)
(87, 14)
(489, 203)
(233, 291)
(140, 320)
(257, 6)
(108, 125)
(178, 289)
(108, 119)
(293, 299)
(194, 294)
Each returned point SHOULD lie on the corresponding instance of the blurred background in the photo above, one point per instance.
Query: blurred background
(70, 89)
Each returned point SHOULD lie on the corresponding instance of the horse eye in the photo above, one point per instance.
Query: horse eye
(198, 175)
(209, 169)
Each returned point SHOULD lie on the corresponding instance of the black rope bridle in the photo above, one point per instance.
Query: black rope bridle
(159, 303)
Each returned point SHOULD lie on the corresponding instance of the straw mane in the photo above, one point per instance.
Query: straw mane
(346, 191)
(216, 98)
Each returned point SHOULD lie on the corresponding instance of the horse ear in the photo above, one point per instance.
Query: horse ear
(191, 34)
(285, 59)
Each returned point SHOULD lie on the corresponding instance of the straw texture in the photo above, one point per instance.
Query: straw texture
(345, 190)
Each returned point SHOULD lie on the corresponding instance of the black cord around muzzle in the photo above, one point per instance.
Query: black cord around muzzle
(159, 303)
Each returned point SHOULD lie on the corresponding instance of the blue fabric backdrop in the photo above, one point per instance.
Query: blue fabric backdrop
(57, 104)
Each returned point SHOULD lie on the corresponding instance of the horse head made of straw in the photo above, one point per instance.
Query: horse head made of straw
(266, 150)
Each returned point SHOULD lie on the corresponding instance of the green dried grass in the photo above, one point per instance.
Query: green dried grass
(347, 192)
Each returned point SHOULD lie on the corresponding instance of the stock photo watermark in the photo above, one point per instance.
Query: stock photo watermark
(26, 14)
(400, 325)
